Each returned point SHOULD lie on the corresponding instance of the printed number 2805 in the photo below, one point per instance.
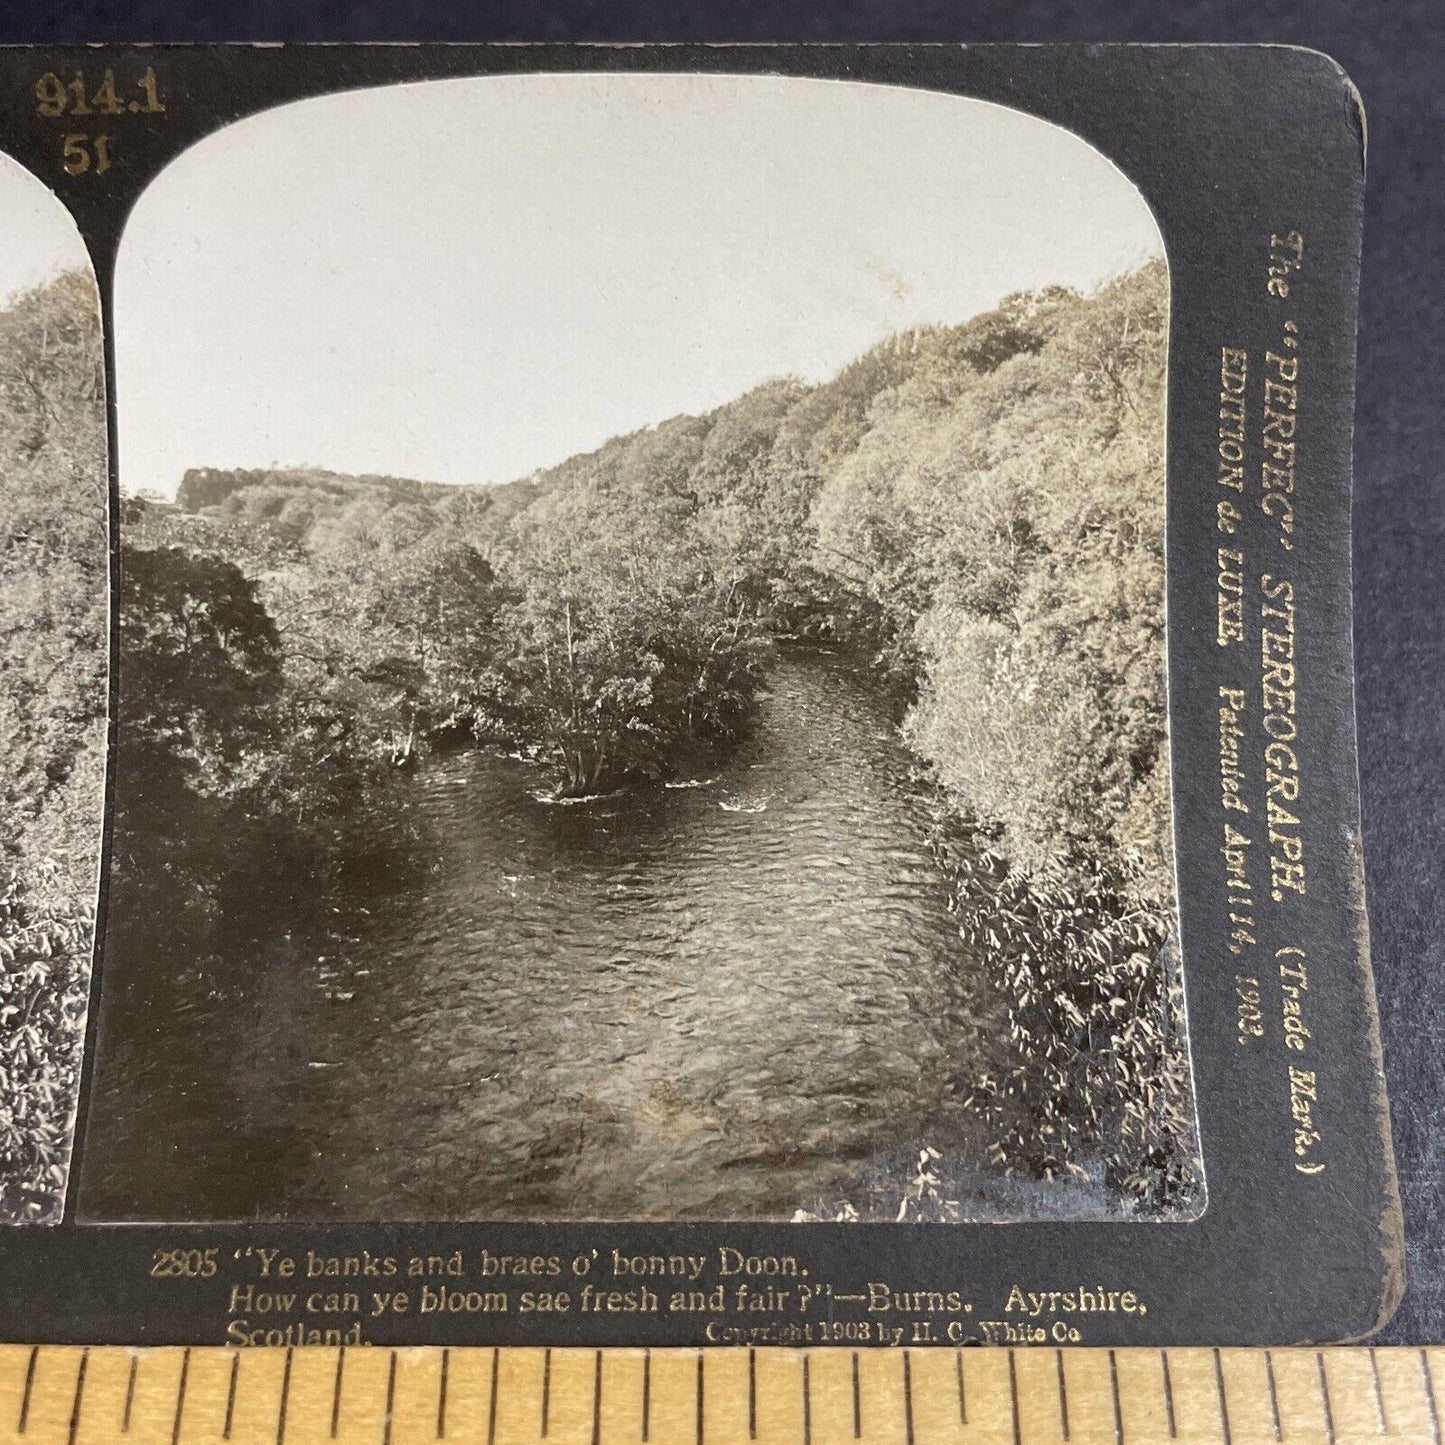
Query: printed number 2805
(183, 1264)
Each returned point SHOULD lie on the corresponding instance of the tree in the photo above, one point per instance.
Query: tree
(199, 667)
(627, 645)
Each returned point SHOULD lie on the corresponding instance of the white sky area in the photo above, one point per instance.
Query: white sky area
(466, 280)
(37, 235)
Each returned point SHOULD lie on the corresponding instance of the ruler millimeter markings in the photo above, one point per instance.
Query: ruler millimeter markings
(114, 1395)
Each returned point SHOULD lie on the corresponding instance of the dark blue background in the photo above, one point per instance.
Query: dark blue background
(1393, 49)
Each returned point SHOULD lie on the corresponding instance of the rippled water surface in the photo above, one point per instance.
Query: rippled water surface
(728, 998)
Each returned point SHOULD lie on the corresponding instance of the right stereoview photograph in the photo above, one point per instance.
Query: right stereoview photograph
(641, 667)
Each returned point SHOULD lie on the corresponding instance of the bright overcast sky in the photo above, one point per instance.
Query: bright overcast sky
(37, 235)
(466, 280)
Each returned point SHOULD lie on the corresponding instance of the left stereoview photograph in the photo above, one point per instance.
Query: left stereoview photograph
(53, 667)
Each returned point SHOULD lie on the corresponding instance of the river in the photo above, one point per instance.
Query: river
(734, 996)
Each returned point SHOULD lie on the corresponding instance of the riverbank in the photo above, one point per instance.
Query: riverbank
(1095, 1083)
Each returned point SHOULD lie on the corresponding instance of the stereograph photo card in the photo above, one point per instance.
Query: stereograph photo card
(682, 695)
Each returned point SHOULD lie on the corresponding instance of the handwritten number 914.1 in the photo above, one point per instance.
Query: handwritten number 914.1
(56, 97)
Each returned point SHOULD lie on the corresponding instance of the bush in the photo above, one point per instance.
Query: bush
(44, 986)
(1097, 1072)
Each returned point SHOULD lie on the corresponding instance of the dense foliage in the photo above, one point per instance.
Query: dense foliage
(979, 508)
(52, 721)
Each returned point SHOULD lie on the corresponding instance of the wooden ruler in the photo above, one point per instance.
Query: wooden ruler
(380, 1396)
